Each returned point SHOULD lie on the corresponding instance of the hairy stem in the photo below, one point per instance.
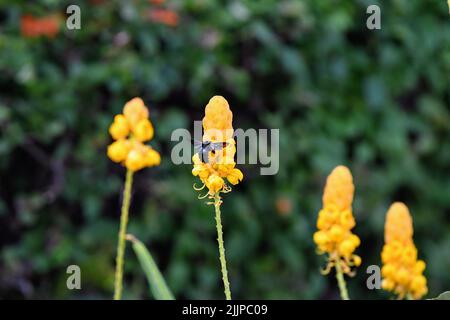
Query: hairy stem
(341, 281)
(223, 262)
(122, 234)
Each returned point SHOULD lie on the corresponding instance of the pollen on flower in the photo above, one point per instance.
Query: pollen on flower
(402, 272)
(335, 221)
(218, 128)
(130, 130)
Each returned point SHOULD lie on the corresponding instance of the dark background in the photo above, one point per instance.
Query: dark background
(377, 101)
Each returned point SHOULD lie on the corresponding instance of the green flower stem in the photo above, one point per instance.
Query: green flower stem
(341, 281)
(223, 262)
(122, 234)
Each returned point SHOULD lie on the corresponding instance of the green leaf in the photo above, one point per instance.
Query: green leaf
(157, 284)
(443, 296)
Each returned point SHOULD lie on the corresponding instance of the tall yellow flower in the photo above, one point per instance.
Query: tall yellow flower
(130, 130)
(402, 272)
(335, 222)
(218, 128)
(219, 170)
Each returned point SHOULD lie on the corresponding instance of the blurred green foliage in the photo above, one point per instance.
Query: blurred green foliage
(376, 101)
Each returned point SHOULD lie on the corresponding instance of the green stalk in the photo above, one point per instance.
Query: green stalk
(122, 234)
(341, 281)
(223, 261)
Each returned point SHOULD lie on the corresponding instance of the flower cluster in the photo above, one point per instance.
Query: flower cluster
(402, 272)
(130, 130)
(336, 221)
(218, 128)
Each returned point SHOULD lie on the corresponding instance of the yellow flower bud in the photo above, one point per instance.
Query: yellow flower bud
(214, 184)
(322, 223)
(235, 176)
(355, 240)
(320, 238)
(118, 150)
(346, 248)
(336, 233)
(402, 276)
(135, 160)
(419, 267)
(418, 283)
(135, 111)
(346, 219)
(143, 131)
(119, 128)
(356, 260)
(153, 158)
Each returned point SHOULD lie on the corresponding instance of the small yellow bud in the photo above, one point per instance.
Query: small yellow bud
(418, 283)
(402, 276)
(152, 158)
(118, 150)
(214, 183)
(143, 131)
(355, 240)
(135, 160)
(336, 233)
(320, 238)
(420, 266)
(119, 128)
(387, 284)
(346, 248)
(346, 219)
(134, 111)
(356, 260)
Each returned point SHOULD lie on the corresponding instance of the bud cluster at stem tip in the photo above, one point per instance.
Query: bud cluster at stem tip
(130, 130)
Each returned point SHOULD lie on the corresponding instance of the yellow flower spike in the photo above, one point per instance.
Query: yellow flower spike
(119, 128)
(334, 224)
(143, 131)
(218, 128)
(129, 130)
(402, 272)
